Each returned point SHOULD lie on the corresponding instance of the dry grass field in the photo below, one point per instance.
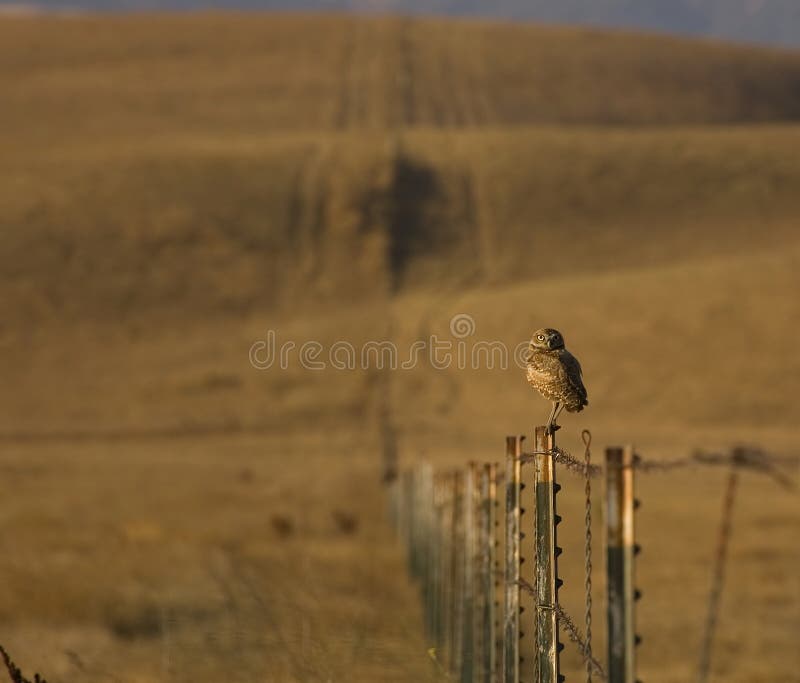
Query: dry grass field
(172, 188)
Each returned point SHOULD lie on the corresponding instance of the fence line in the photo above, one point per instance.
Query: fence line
(450, 523)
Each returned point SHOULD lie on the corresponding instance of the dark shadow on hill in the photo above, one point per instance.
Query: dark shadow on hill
(414, 193)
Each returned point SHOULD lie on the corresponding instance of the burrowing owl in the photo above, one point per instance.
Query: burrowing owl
(555, 373)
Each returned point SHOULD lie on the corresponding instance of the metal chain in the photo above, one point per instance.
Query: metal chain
(586, 436)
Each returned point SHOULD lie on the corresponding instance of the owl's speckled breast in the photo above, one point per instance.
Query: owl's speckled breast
(557, 376)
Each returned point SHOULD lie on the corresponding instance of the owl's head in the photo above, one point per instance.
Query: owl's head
(547, 339)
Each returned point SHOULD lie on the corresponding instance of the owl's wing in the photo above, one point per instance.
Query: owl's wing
(574, 373)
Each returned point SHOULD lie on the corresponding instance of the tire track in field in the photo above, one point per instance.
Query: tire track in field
(452, 107)
(406, 73)
(483, 220)
(468, 199)
(306, 216)
(444, 387)
(351, 111)
(479, 83)
(343, 111)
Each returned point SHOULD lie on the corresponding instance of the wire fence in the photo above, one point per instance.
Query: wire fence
(466, 549)
(465, 531)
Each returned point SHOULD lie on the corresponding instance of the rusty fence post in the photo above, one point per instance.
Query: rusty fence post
(621, 549)
(548, 646)
(511, 632)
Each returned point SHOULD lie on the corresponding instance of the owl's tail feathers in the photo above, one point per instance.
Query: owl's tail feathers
(578, 406)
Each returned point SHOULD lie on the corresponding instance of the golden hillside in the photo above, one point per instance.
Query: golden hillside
(145, 75)
(220, 224)
(172, 188)
(224, 163)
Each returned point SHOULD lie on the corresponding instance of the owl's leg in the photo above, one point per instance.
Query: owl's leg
(558, 412)
(551, 421)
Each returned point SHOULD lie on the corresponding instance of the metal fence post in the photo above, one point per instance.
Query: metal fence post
(488, 544)
(446, 559)
(417, 530)
(457, 549)
(437, 540)
(468, 590)
(426, 542)
(394, 505)
(547, 582)
(403, 494)
(408, 518)
(621, 549)
(512, 548)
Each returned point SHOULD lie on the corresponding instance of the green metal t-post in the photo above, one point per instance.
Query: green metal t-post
(547, 645)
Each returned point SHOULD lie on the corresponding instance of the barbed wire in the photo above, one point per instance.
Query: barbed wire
(737, 460)
(575, 636)
(573, 632)
(746, 457)
(14, 672)
(562, 457)
(755, 459)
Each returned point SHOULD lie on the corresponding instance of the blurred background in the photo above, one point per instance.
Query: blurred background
(179, 187)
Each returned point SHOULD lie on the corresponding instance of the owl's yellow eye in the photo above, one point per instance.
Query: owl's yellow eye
(540, 337)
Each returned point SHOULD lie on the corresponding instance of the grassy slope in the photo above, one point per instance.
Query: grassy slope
(205, 227)
(170, 189)
(160, 561)
(137, 75)
(184, 412)
(162, 147)
(718, 348)
(212, 163)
